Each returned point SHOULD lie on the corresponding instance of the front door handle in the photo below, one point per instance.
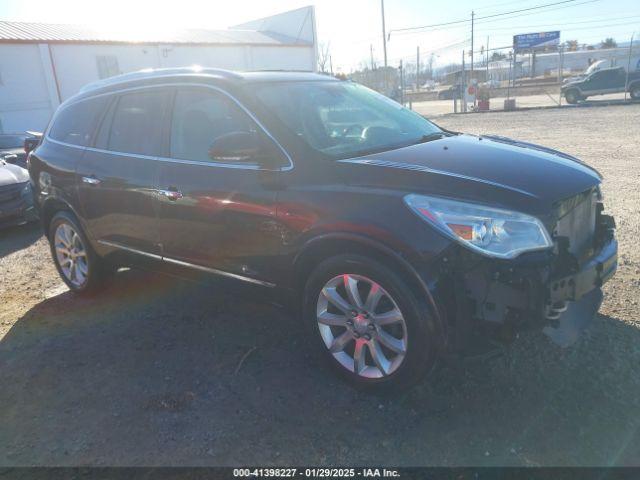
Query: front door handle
(172, 195)
(91, 180)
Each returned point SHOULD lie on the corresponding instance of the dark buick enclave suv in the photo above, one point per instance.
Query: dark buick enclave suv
(400, 241)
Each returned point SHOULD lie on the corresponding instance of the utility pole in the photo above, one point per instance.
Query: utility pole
(463, 103)
(487, 75)
(626, 82)
(401, 84)
(372, 64)
(418, 69)
(384, 34)
(431, 58)
(330, 65)
(472, 25)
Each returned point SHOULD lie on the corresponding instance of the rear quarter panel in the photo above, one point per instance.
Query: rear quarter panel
(52, 168)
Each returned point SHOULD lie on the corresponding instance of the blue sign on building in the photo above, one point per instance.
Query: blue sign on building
(530, 41)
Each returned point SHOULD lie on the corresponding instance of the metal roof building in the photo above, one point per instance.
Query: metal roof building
(41, 65)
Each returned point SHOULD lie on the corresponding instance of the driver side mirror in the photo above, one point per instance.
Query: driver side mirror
(245, 147)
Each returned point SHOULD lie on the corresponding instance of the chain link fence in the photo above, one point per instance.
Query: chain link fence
(500, 80)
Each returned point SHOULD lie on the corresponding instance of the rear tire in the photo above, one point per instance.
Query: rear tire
(77, 264)
(378, 335)
(634, 91)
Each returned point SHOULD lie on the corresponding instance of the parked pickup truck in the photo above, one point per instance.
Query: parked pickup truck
(602, 82)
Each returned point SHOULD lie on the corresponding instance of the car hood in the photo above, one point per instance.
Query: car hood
(484, 168)
(12, 174)
(572, 82)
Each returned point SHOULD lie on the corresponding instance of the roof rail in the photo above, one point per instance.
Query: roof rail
(158, 72)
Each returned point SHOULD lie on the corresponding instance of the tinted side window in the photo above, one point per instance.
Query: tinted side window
(136, 126)
(199, 117)
(75, 123)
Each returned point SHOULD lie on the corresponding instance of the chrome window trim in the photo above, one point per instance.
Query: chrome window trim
(169, 159)
(187, 264)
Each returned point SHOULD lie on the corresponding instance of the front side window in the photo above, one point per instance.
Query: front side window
(75, 124)
(342, 119)
(199, 118)
(136, 126)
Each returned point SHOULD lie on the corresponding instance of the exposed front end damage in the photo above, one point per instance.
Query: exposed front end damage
(557, 291)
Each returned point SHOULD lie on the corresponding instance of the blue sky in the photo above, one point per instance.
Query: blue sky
(351, 26)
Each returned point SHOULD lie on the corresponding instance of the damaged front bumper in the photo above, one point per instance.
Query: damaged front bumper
(575, 299)
(549, 291)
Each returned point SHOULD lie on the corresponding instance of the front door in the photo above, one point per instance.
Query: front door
(605, 81)
(117, 178)
(215, 216)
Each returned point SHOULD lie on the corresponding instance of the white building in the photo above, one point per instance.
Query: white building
(41, 65)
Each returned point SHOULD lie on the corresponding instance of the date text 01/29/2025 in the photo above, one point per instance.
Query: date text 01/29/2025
(316, 472)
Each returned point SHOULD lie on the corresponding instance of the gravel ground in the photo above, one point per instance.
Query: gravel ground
(151, 371)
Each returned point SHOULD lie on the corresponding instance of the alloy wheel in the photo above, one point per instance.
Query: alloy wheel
(362, 326)
(71, 254)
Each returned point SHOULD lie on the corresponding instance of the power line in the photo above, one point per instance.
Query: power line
(463, 22)
(564, 24)
(570, 29)
(480, 18)
(456, 24)
(440, 49)
(510, 17)
(501, 4)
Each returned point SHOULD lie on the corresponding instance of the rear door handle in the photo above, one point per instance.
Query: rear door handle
(172, 195)
(91, 180)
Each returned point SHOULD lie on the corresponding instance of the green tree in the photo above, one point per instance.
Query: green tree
(608, 43)
(571, 45)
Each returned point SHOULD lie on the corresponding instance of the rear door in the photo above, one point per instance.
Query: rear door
(118, 174)
(221, 216)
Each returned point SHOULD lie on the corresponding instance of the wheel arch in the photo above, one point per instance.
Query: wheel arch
(326, 246)
(53, 205)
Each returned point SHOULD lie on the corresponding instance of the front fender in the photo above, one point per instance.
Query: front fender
(323, 246)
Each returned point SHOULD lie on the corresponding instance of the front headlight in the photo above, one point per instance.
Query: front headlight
(490, 231)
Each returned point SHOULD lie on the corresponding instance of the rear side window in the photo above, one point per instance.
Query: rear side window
(201, 116)
(136, 126)
(75, 123)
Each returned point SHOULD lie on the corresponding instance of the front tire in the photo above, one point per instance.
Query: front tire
(368, 324)
(572, 97)
(635, 91)
(78, 265)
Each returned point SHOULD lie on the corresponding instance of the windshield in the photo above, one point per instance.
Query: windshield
(342, 119)
(594, 66)
(11, 141)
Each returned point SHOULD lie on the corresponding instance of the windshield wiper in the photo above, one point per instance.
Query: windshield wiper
(430, 137)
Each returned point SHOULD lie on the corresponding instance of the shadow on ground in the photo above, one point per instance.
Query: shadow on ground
(19, 237)
(151, 372)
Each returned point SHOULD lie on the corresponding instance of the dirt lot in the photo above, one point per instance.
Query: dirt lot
(149, 372)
